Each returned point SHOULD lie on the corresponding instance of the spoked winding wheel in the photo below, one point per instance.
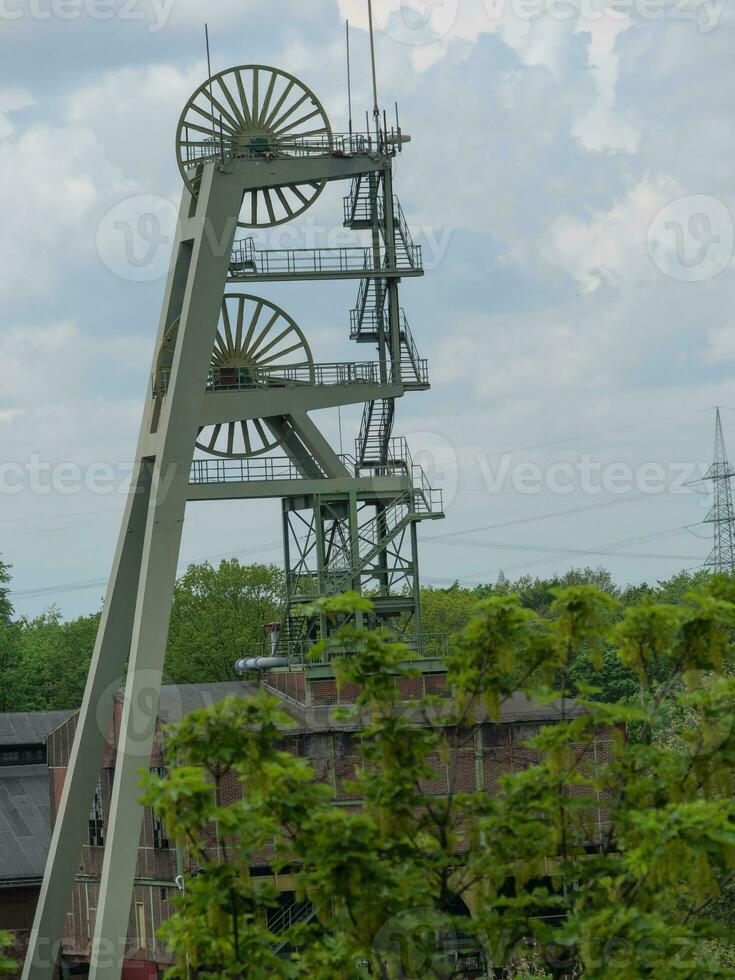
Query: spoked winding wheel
(254, 110)
(253, 334)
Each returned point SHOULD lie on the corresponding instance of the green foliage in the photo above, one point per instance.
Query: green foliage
(8, 638)
(6, 964)
(6, 607)
(51, 662)
(218, 615)
(554, 891)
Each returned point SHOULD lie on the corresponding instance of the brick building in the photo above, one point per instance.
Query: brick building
(308, 696)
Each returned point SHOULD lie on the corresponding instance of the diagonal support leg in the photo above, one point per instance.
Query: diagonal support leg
(174, 443)
(135, 618)
(94, 723)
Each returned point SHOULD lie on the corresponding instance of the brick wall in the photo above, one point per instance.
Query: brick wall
(486, 752)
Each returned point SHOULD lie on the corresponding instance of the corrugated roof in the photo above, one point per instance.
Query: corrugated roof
(178, 700)
(30, 727)
(25, 828)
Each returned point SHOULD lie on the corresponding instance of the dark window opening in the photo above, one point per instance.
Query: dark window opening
(96, 822)
(160, 835)
(22, 755)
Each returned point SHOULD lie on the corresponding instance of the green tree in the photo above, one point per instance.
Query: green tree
(6, 964)
(553, 896)
(447, 610)
(218, 615)
(8, 641)
(6, 606)
(52, 661)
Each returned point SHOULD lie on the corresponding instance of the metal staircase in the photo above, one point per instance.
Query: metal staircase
(375, 432)
(370, 321)
(368, 314)
(364, 204)
(295, 913)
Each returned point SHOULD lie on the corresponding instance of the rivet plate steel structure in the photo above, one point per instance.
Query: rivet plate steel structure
(227, 416)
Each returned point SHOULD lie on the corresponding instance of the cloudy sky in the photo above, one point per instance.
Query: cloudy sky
(570, 177)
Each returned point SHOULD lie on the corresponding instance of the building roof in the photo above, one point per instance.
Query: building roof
(178, 700)
(25, 827)
(30, 727)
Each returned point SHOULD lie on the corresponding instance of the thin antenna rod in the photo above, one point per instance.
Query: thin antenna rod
(209, 75)
(349, 76)
(376, 110)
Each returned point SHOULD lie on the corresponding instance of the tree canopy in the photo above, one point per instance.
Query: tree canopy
(554, 892)
(218, 615)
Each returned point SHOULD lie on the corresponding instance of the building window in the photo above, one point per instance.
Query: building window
(22, 755)
(140, 924)
(160, 836)
(96, 834)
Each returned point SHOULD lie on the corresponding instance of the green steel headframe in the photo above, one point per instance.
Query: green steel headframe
(227, 416)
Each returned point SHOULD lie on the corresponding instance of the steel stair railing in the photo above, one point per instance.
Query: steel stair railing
(375, 431)
(359, 213)
(295, 913)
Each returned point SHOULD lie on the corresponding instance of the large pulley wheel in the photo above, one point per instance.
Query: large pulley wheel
(255, 111)
(256, 343)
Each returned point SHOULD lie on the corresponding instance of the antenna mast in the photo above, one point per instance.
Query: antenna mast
(209, 77)
(376, 110)
(349, 75)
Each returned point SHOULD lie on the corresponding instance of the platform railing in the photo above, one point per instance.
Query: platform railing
(222, 147)
(247, 261)
(248, 378)
(263, 468)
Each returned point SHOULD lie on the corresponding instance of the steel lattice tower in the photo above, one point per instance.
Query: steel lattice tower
(722, 556)
(226, 417)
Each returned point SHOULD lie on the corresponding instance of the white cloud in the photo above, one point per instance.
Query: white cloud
(610, 247)
(48, 406)
(51, 180)
(603, 127)
(12, 99)
(720, 347)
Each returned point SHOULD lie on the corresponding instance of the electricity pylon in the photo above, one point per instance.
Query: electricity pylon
(233, 381)
(722, 556)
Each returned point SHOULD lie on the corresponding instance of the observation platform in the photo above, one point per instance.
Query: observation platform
(223, 149)
(281, 476)
(251, 264)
